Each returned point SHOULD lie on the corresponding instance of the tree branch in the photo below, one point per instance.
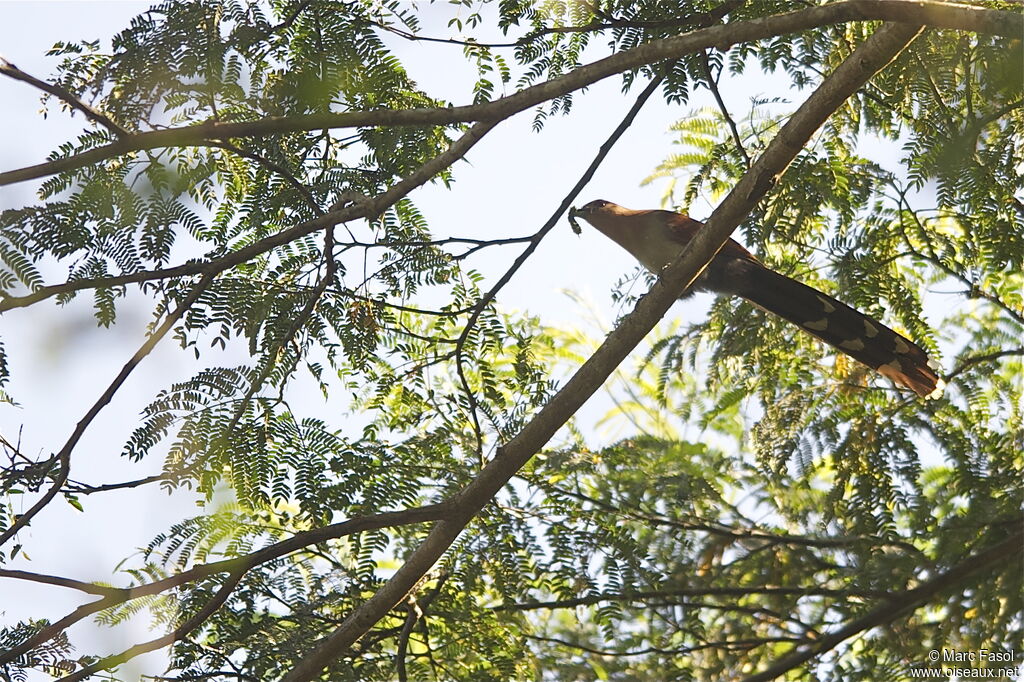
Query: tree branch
(868, 58)
(986, 357)
(728, 644)
(115, 596)
(737, 533)
(88, 588)
(64, 456)
(896, 607)
(696, 20)
(535, 240)
(417, 611)
(669, 593)
(80, 488)
(360, 209)
(12, 71)
(274, 168)
(917, 12)
(713, 87)
(216, 601)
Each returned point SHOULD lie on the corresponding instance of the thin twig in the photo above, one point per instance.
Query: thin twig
(744, 644)
(275, 167)
(300, 320)
(535, 240)
(974, 290)
(713, 87)
(696, 20)
(986, 357)
(679, 592)
(88, 588)
(739, 534)
(79, 488)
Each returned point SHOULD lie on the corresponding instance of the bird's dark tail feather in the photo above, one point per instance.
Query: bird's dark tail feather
(837, 324)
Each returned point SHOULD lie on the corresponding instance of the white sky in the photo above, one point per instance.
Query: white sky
(512, 182)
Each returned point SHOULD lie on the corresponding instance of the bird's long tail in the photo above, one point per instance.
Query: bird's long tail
(837, 324)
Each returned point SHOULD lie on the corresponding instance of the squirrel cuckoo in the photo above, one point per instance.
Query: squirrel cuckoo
(656, 238)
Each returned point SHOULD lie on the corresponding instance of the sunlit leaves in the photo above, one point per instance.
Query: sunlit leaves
(757, 490)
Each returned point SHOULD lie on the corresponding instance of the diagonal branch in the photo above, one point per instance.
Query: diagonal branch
(12, 71)
(535, 240)
(64, 456)
(274, 167)
(891, 609)
(360, 209)
(216, 601)
(917, 12)
(868, 58)
(113, 596)
(713, 87)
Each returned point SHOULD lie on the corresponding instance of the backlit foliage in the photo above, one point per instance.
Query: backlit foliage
(760, 492)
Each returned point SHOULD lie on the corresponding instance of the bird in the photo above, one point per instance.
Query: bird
(656, 238)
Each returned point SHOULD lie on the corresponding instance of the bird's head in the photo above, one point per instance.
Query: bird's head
(591, 209)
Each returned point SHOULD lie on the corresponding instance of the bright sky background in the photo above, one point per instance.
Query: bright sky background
(509, 185)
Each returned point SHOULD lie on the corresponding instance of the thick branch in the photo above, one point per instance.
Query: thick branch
(917, 12)
(867, 59)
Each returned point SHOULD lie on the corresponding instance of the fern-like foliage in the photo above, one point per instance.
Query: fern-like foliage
(744, 491)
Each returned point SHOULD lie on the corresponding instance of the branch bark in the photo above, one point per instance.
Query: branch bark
(866, 60)
(721, 37)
